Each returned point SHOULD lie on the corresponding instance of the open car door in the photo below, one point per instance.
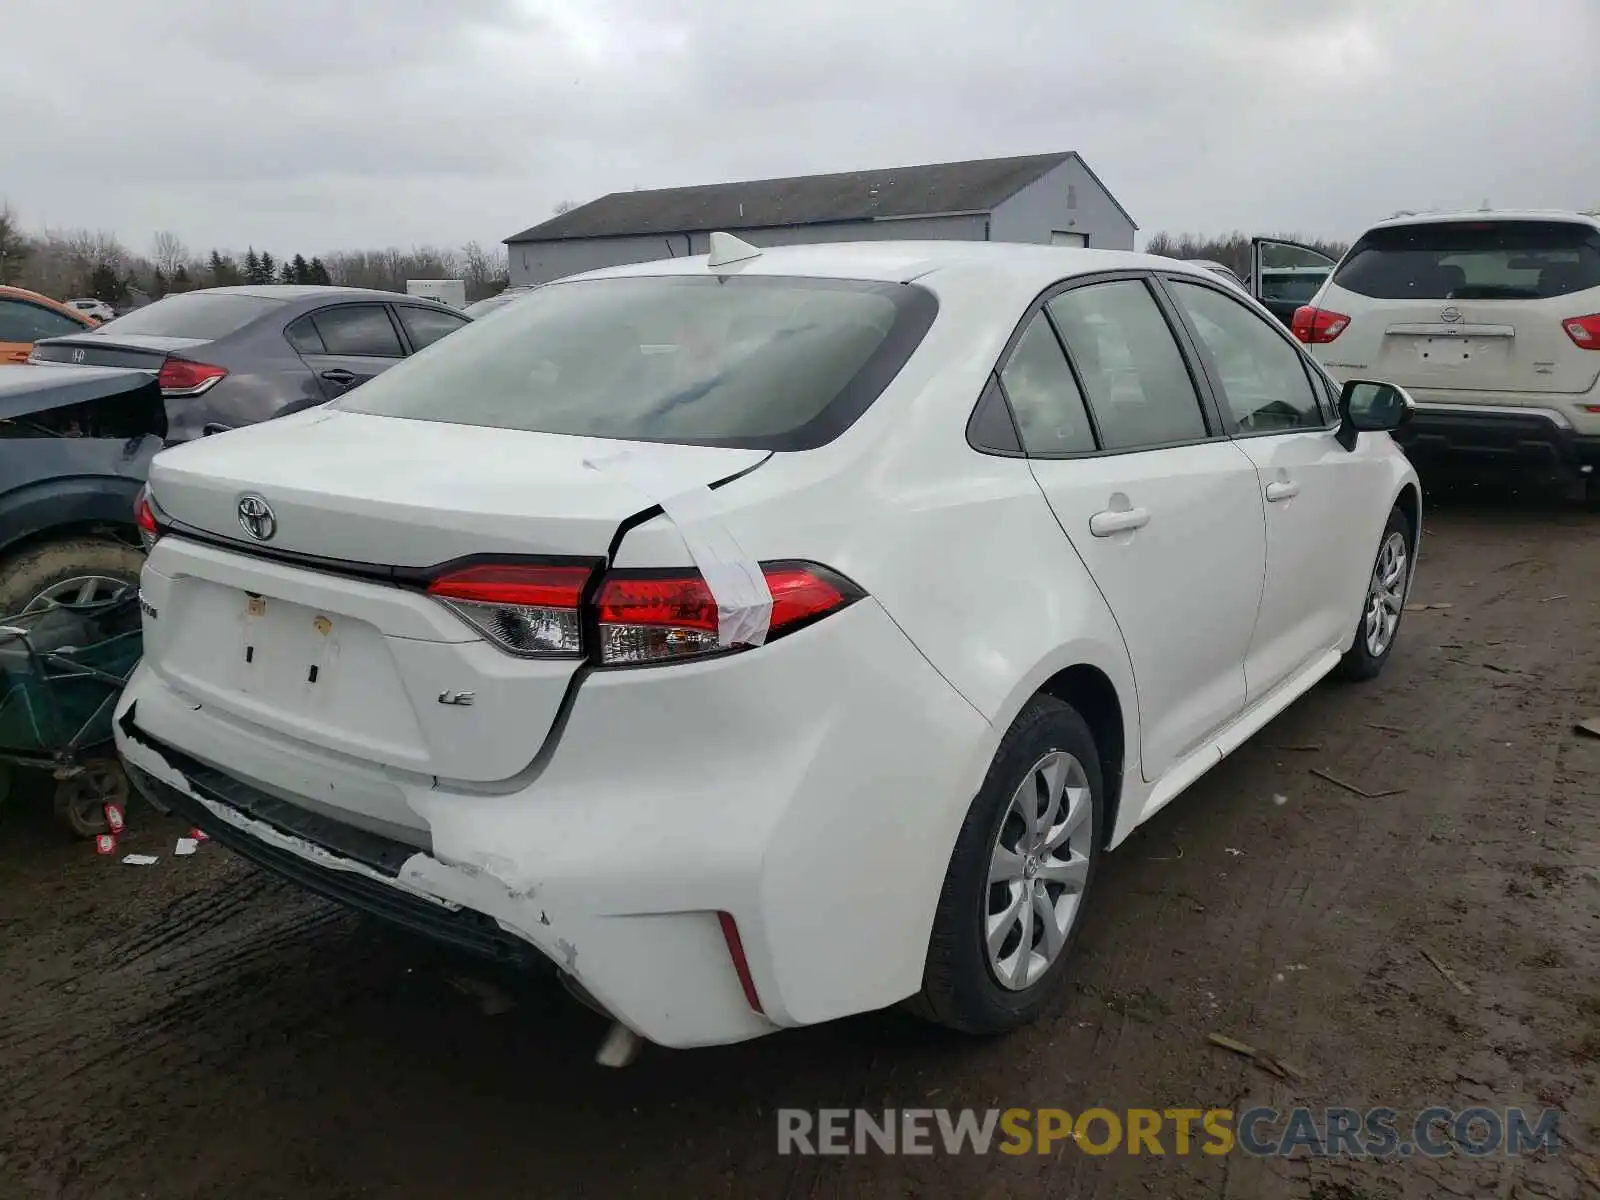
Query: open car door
(1285, 275)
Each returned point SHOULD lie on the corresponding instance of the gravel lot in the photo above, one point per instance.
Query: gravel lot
(196, 1029)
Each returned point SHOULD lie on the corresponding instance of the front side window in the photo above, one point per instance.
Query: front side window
(358, 331)
(1045, 398)
(1138, 386)
(761, 362)
(1265, 386)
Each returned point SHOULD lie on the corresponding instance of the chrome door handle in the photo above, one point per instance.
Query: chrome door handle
(1282, 490)
(1118, 520)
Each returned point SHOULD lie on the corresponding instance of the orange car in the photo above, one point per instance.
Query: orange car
(26, 316)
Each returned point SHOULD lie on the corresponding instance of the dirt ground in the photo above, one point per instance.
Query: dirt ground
(197, 1029)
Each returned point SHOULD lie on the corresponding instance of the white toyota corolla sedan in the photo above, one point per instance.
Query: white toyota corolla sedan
(772, 635)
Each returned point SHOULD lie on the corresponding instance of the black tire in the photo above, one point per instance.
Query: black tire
(29, 573)
(80, 801)
(959, 988)
(1359, 663)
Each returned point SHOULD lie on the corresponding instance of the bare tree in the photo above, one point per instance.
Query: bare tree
(168, 252)
(14, 245)
(564, 206)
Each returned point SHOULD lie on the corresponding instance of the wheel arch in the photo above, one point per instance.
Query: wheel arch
(1409, 501)
(68, 508)
(1090, 691)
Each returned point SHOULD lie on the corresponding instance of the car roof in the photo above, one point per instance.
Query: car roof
(306, 291)
(1492, 214)
(902, 262)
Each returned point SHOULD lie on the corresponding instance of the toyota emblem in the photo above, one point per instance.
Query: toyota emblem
(1450, 315)
(255, 514)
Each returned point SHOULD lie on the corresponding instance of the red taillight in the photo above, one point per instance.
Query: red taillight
(180, 377)
(643, 616)
(144, 516)
(528, 610)
(741, 964)
(1317, 326)
(661, 616)
(1584, 331)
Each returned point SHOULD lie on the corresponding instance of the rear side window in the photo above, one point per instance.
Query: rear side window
(762, 362)
(358, 330)
(303, 336)
(202, 315)
(1474, 260)
(1139, 388)
(425, 326)
(1044, 396)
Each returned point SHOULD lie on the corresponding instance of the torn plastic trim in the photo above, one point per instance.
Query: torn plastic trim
(488, 888)
(159, 768)
(735, 580)
(569, 698)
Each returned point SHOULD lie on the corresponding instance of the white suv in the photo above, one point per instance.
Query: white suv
(1491, 320)
(772, 636)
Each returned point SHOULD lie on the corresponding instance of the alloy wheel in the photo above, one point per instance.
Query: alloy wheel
(1386, 594)
(1038, 869)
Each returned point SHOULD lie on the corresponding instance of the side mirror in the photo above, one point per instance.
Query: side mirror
(1368, 406)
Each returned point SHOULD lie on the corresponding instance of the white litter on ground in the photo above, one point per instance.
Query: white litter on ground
(1280, 799)
(185, 846)
(140, 860)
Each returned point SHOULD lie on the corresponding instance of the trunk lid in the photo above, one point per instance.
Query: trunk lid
(362, 663)
(140, 351)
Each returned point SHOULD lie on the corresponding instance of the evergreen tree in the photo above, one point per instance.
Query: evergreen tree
(286, 273)
(104, 284)
(252, 266)
(180, 279)
(269, 268)
(217, 266)
(300, 269)
(317, 272)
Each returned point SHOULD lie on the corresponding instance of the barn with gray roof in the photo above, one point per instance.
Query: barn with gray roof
(1044, 198)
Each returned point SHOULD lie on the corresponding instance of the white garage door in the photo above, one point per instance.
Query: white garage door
(1060, 237)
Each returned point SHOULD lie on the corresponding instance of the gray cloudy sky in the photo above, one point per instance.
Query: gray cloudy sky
(307, 125)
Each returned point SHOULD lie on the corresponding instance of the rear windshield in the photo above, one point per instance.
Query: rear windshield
(757, 362)
(1474, 260)
(202, 315)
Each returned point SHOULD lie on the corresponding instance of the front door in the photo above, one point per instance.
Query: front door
(1279, 411)
(1165, 514)
(1286, 275)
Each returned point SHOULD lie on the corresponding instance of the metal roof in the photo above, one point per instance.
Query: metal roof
(977, 186)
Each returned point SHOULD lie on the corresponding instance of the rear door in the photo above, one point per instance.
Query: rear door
(1285, 275)
(1163, 509)
(22, 323)
(1467, 306)
(347, 344)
